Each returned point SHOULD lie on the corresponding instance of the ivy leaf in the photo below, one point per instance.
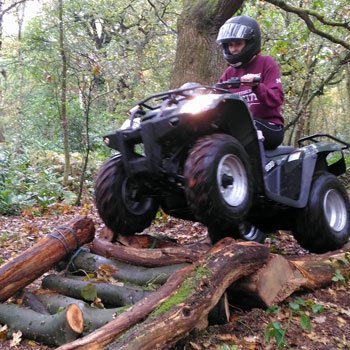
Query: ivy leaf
(305, 323)
(89, 292)
(317, 308)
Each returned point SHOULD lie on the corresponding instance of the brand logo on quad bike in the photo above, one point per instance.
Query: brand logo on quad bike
(270, 165)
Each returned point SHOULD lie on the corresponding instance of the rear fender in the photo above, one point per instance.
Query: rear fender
(300, 165)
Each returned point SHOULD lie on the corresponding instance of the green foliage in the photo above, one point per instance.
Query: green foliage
(338, 277)
(298, 309)
(275, 331)
(31, 178)
(183, 291)
(89, 292)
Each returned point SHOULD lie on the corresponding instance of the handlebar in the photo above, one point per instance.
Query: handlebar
(173, 94)
(236, 82)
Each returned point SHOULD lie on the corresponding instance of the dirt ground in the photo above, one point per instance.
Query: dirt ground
(312, 320)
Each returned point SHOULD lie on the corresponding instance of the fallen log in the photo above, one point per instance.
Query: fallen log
(125, 272)
(268, 286)
(282, 276)
(146, 257)
(182, 303)
(113, 295)
(318, 270)
(25, 268)
(94, 318)
(31, 300)
(53, 330)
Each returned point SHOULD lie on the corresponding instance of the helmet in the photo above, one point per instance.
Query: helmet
(240, 27)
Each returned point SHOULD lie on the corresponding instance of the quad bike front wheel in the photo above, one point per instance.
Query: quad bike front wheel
(219, 182)
(118, 201)
(324, 224)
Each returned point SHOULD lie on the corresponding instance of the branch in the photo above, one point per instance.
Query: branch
(305, 14)
(326, 81)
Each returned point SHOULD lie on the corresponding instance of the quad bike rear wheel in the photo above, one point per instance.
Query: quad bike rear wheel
(244, 230)
(118, 201)
(219, 182)
(324, 224)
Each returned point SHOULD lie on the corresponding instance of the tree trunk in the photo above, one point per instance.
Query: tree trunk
(53, 330)
(125, 272)
(198, 57)
(25, 268)
(113, 295)
(281, 277)
(182, 304)
(145, 257)
(94, 318)
(63, 111)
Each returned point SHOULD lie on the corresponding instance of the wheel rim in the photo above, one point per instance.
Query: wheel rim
(335, 210)
(232, 180)
(251, 235)
(130, 199)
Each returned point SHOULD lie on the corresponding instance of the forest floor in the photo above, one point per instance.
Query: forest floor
(313, 320)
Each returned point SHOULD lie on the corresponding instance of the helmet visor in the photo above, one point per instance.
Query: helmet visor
(231, 31)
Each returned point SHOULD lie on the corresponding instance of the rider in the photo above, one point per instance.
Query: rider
(240, 39)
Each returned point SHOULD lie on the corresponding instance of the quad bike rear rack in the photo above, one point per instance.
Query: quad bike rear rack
(314, 138)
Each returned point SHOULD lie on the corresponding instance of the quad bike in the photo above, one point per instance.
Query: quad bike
(195, 152)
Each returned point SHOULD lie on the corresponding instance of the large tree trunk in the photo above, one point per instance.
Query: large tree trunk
(183, 303)
(53, 330)
(198, 57)
(48, 251)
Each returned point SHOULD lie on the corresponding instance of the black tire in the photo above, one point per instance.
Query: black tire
(217, 233)
(218, 181)
(244, 230)
(251, 233)
(121, 213)
(324, 225)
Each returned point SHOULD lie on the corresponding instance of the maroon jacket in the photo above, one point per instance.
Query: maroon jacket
(264, 100)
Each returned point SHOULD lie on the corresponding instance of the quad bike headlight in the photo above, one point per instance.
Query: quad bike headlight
(199, 104)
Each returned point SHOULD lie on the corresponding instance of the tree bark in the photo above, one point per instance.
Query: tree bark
(113, 295)
(25, 268)
(125, 272)
(198, 57)
(53, 330)
(281, 277)
(94, 318)
(183, 303)
(63, 106)
(145, 257)
(31, 300)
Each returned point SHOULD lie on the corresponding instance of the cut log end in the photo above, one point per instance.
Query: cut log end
(75, 318)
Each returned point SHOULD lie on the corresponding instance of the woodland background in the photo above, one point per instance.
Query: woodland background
(70, 74)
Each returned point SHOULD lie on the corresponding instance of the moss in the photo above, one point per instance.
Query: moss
(186, 288)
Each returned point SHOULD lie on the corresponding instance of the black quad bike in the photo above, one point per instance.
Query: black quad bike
(196, 153)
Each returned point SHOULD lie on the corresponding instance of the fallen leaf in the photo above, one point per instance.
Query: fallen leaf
(252, 339)
(195, 346)
(320, 319)
(16, 338)
(3, 332)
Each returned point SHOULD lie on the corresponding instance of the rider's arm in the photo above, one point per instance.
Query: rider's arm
(270, 90)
